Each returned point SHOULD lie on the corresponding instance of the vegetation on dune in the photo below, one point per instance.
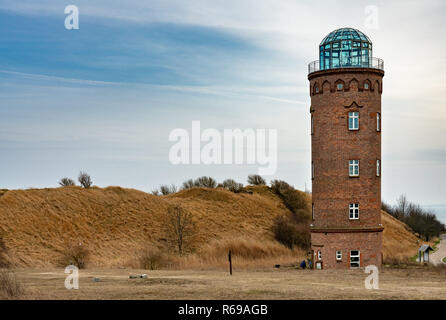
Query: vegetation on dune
(292, 229)
(85, 180)
(66, 182)
(10, 287)
(421, 221)
(256, 180)
(191, 228)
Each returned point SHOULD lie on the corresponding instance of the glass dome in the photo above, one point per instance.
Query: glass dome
(345, 47)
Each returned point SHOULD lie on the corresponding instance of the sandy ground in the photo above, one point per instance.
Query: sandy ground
(411, 283)
(436, 257)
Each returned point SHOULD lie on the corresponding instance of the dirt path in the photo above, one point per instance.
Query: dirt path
(437, 257)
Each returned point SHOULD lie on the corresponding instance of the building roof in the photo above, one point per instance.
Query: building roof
(425, 247)
(345, 34)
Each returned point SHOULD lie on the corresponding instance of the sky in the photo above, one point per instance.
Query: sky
(104, 98)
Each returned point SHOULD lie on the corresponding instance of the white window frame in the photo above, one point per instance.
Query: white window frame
(378, 167)
(378, 122)
(339, 255)
(353, 168)
(356, 256)
(353, 211)
(353, 115)
(319, 255)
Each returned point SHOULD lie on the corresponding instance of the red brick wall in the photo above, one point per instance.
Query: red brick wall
(333, 145)
(368, 243)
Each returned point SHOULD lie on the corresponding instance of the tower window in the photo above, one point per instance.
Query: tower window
(312, 125)
(312, 170)
(353, 121)
(340, 86)
(355, 256)
(354, 211)
(366, 86)
(378, 167)
(316, 89)
(338, 255)
(312, 211)
(378, 121)
(353, 168)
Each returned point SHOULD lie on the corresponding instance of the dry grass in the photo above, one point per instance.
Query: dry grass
(283, 283)
(246, 254)
(116, 224)
(399, 242)
(10, 288)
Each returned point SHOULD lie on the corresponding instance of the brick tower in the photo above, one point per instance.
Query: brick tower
(345, 90)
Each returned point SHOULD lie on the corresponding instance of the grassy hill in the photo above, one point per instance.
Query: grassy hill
(115, 224)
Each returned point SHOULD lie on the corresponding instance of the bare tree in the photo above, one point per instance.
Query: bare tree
(84, 179)
(180, 228)
(402, 207)
(256, 180)
(66, 182)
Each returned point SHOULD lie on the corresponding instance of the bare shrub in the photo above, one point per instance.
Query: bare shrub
(10, 287)
(155, 192)
(165, 189)
(297, 202)
(76, 255)
(84, 179)
(153, 258)
(291, 233)
(189, 184)
(180, 228)
(66, 182)
(256, 180)
(232, 185)
(205, 182)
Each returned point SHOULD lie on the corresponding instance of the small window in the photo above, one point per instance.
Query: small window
(355, 259)
(378, 121)
(340, 86)
(319, 255)
(312, 125)
(366, 86)
(312, 211)
(312, 170)
(316, 89)
(353, 121)
(353, 168)
(338, 255)
(354, 211)
(378, 167)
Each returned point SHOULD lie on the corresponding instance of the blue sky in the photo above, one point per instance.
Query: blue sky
(105, 97)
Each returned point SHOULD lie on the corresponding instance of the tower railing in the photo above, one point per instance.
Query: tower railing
(374, 63)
